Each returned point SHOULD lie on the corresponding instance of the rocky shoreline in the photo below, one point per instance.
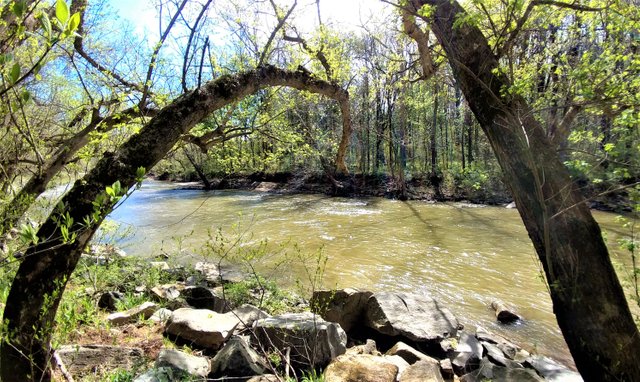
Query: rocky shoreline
(348, 335)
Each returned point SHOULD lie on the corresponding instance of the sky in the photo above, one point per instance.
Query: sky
(345, 14)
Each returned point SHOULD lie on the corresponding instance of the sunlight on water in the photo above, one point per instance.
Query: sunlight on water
(463, 255)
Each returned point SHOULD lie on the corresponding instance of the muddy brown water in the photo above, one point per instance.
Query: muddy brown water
(461, 254)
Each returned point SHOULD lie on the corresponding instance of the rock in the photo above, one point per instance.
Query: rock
(497, 357)
(109, 300)
(82, 360)
(510, 350)
(446, 368)
(368, 348)
(467, 354)
(418, 318)
(165, 293)
(345, 306)
(361, 368)
(511, 205)
(237, 359)
(248, 314)
(162, 374)
(266, 186)
(504, 314)
(189, 364)
(201, 327)
(161, 265)
(161, 315)
(204, 298)
(551, 370)
(398, 361)
(408, 353)
(489, 371)
(313, 341)
(145, 309)
(426, 370)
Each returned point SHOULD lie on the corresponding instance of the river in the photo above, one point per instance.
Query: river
(463, 255)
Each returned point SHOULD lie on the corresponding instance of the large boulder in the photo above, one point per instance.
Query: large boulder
(201, 327)
(189, 364)
(345, 306)
(426, 370)
(313, 341)
(145, 310)
(237, 359)
(82, 360)
(247, 314)
(408, 353)
(166, 292)
(361, 368)
(418, 318)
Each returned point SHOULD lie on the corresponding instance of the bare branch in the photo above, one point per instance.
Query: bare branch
(281, 22)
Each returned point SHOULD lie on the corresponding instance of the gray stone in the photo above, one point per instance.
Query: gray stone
(265, 378)
(345, 306)
(204, 298)
(166, 292)
(161, 315)
(446, 368)
(237, 359)
(496, 356)
(201, 327)
(509, 349)
(82, 360)
(109, 300)
(361, 368)
(489, 371)
(248, 314)
(216, 276)
(551, 370)
(426, 370)
(511, 205)
(416, 317)
(408, 353)
(162, 374)
(313, 341)
(190, 364)
(467, 354)
(145, 310)
(368, 348)
(398, 361)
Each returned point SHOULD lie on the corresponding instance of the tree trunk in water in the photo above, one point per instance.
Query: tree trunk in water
(41, 278)
(588, 301)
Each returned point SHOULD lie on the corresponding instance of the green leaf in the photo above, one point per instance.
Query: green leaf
(46, 25)
(26, 96)
(74, 21)
(19, 7)
(14, 75)
(62, 11)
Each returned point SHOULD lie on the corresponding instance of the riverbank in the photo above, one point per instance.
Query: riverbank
(128, 319)
(489, 191)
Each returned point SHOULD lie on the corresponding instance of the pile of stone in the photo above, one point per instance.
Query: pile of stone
(352, 336)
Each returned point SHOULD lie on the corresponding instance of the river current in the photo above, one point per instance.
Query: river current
(461, 254)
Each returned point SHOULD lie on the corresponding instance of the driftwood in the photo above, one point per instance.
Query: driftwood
(503, 313)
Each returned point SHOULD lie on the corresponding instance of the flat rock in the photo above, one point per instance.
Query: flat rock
(416, 317)
(369, 347)
(361, 368)
(218, 276)
(161, 315)
(313, 341)
(82, 360)
(145, 310)
(422, 371)
(163, 374)
(237, 359)
(497, 356)
(344, 306)
(166, 292)
(408, 353)
(190, 364)
(509, 349)
(467, 354)
(265, 378)
(201, 327)
(551, 370)
(247, 314)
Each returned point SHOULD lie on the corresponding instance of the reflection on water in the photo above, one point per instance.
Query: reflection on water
(465, 256)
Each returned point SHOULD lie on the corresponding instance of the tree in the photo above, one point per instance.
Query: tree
(588, 301)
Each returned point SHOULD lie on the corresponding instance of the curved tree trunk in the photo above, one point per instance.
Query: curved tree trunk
(588, 301)
(41, 278)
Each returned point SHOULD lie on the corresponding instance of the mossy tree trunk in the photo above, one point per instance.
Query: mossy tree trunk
(42, 276)
(588, 301)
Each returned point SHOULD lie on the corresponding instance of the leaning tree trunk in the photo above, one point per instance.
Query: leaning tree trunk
(588, 301)
(41, 278)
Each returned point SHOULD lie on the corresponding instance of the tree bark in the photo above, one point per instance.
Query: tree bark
(588, 301)
(41, 278)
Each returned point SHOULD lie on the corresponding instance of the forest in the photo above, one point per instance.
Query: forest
(487, 101)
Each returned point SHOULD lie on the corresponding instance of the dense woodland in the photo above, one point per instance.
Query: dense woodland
(535, 100)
